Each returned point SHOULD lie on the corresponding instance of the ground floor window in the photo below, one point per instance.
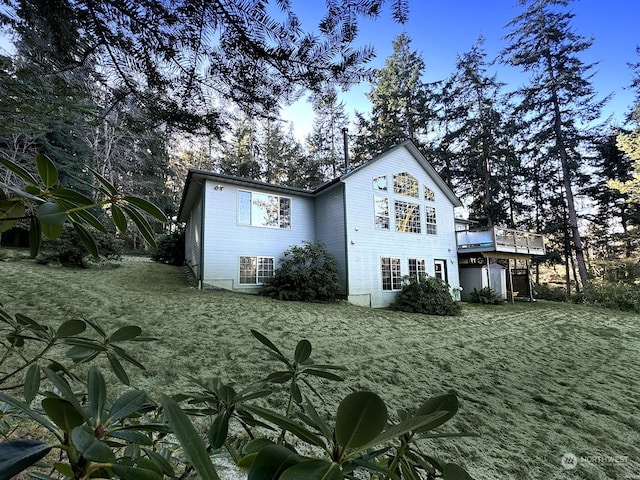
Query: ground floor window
(440, 269)
(417, 268)
(391, 278)
(255, 270)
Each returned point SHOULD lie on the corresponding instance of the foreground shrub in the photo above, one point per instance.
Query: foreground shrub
(307, 273)
(618, 296)
(68, 248)
(486, 296)
(170, 249)
(553, 294)
(428, 295)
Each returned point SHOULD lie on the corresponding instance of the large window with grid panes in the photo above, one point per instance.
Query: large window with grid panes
(255, 270)
(400, 203)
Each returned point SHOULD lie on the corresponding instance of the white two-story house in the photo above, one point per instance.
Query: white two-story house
(390, 217)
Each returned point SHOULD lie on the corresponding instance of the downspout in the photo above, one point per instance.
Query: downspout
(202, 210)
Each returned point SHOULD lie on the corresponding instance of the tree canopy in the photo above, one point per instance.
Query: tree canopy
(185, 59)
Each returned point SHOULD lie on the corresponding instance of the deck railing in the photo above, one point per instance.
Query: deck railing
(500, 239)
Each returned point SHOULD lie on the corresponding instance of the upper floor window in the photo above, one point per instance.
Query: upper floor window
(381, 208)
(380, 183)
(429, 194)
(430, 221)
(407, 217)
(405, 184)
(264, 210)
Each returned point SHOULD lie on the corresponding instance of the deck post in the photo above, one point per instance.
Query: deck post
(510, 279)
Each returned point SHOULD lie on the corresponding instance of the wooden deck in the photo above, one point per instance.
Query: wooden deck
(498, 239)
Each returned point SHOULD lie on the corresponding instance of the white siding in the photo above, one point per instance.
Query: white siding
(226, 240)
(330, 227)
(366, 245)
(193, 237)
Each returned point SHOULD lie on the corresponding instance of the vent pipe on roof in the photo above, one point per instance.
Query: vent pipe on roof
(345, 132)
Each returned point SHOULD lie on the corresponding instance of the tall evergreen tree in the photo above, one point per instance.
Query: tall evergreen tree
(559, 98)
(325, 142)
(476, 115)
(240, 154)
(399, 103)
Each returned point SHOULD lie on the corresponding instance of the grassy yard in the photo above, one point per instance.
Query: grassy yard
(536, 381)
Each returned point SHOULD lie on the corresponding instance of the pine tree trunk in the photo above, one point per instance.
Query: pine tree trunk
(566, 177)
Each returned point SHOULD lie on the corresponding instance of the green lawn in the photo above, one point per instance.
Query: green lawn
(536, 381)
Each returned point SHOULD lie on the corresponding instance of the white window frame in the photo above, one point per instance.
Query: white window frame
(394, 267)
(414, 224)
(442, 275)
(419, 267)
(379, 220)
(283, 222)
(258, 279)
(430, 220)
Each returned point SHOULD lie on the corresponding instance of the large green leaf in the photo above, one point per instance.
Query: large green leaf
(135, 473)
(10, 209)
(35, 237)
(97, 394)
(271, 462)
(86, 238)
(17, 455)
(107, 188)
(65, 389)
(219, 430)
(164, 464)
(63, 413)
(125, 333)
(72, 196)
(118, 369)
(189, 439)
(142, 223)
(360, 418)
(323, 374)
(287, 424)
(269, 344)
(303, 351)
(148, 207)
(71, 328)
(119, 220)
(52, 232)
(50, 213)
(47, 170)
(32, 382)
(85, 216)
(25, 410)
(452, 471)
(130, 402)
(90, 447)
(447, 402)
(18, 170)
(313, 470)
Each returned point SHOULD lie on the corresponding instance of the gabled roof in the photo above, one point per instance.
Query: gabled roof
(196, 178)
(424, 163)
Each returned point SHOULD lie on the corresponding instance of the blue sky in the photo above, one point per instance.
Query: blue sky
(442, 29)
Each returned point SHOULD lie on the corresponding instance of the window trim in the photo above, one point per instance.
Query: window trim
(257, 259)
(430, 224)
(420, 267)
(376, 225)
(416, 212)
(251, 219)
(393, 282)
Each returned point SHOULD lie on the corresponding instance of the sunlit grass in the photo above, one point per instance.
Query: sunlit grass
(535, 381)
